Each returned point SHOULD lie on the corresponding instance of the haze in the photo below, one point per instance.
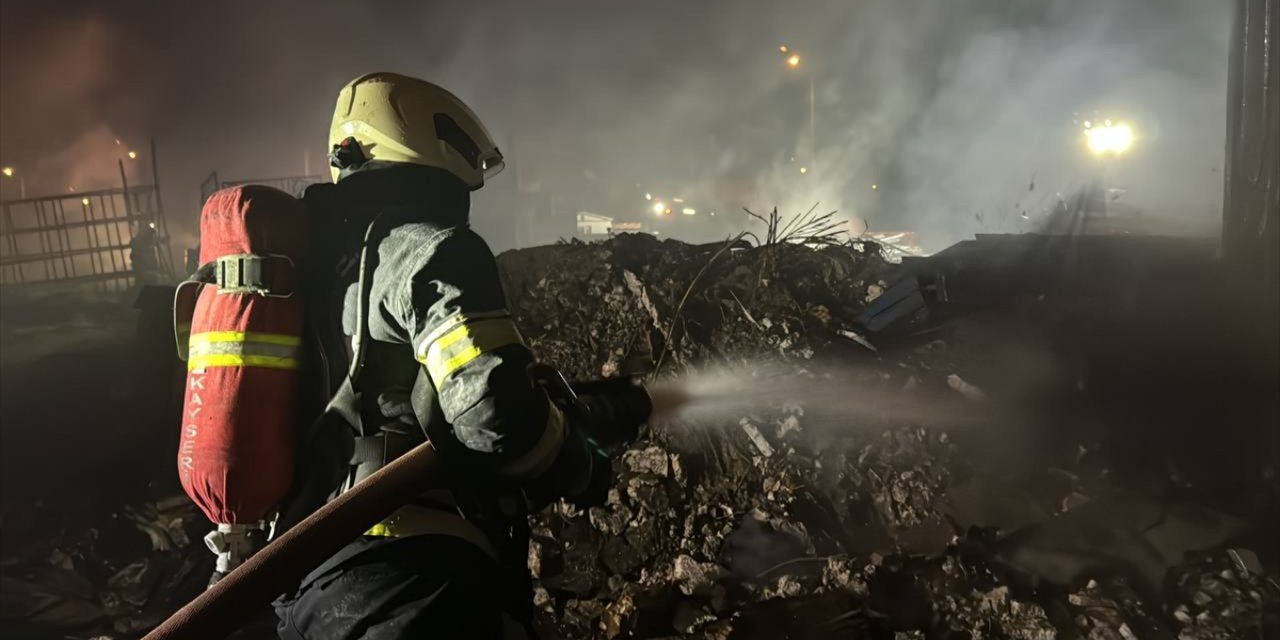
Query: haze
(965, 116)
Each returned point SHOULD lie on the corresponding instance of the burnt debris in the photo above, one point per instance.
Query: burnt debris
(1005, 512)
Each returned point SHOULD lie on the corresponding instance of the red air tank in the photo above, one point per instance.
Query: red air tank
(235, 456)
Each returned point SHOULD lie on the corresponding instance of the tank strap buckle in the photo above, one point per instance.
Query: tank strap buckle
(250, 273)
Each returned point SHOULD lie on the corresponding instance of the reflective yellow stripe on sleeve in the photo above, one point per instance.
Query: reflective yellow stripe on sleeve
(464, 339)
(243, 349)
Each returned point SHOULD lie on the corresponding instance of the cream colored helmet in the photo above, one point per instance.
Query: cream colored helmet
(395, 118)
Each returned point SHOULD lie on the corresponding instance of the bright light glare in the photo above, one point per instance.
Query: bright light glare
(1114, 139)
(658, 207)
(84, 201)
(793, 61)
(648, 196)
(687, 211)
(8, 172)
(804, 169)
(133, 155)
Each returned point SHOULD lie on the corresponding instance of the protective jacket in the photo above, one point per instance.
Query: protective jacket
(425, 348)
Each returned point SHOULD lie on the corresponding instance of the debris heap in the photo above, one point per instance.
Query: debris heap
(767, 524)
(759, 527)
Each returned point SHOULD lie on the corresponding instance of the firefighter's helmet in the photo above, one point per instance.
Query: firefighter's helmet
(393, 118)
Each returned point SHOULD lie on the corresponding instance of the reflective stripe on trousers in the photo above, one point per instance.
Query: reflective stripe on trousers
(412, 520)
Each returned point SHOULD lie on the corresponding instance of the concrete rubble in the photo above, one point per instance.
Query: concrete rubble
(715, 533)
(769, 525)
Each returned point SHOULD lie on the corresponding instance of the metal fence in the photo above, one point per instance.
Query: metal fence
(84, 239)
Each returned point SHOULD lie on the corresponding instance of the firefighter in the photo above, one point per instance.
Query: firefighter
(144, 257)
(425, 348)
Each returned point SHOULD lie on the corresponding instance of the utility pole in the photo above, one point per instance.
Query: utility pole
(813, 138)
(793, 62)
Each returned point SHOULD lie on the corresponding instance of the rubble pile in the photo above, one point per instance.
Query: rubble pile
(1218, 595)
(759, 527)
(634, 304)
(103, 573)
(769, 524)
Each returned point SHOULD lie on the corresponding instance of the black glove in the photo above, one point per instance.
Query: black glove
(611, 411)
(581, 473)
(599, 414)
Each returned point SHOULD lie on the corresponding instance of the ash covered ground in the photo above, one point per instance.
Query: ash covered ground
(1029, 469)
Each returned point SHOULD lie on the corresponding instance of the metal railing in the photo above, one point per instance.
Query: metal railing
(107, 239)
(99, 238)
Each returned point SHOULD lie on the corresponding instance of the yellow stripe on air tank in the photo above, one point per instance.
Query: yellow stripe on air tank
(233, 360)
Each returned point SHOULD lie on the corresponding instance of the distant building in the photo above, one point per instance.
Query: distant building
(593, 226)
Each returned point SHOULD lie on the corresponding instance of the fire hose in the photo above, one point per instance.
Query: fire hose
(611, 411)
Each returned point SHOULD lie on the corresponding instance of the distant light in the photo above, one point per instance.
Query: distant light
(874, 187)
(793, 61)
(84, 201)
(712, 213)
(666, 211)
(151, 224)
(133, 155)
(804, 169)
(648, 196)
(1109, 139)
(7, 171)
(117, 140)
(1087, 124)
(687, 211)
(680, 200)
(658, 207)
(1108, 122)
(783, 48)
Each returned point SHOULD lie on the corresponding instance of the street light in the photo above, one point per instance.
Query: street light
(133, 155)
(793, 61)
(10, 172)
(1109, 138)
(1113, 139)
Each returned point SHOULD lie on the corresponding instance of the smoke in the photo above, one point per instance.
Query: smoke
(831, 398)
(51, 134)
(952, 110)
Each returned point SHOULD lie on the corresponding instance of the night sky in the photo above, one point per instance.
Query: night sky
(951, 108)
